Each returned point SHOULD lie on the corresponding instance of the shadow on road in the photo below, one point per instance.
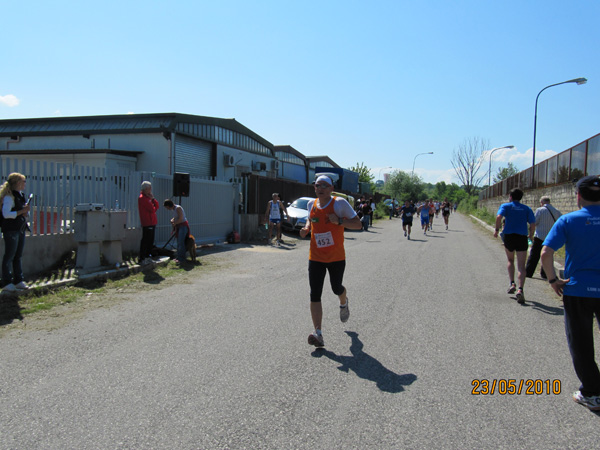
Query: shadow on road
(152, 277)
(367, 367)
(9, 309)
(552, 310)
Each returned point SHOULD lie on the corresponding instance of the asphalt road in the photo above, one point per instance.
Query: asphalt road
(223, 362)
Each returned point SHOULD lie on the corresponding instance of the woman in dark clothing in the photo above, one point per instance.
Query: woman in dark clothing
(14, 223)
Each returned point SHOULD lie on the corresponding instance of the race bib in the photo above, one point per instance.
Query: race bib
(324, 239)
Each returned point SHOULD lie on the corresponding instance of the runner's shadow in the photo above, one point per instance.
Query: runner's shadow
(552, 310)
(367, 367)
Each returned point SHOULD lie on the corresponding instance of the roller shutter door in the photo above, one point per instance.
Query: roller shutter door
(193, 156)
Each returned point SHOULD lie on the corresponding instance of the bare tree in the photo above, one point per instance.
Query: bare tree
(467, 160)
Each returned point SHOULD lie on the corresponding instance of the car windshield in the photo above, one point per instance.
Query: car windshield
(301, 203)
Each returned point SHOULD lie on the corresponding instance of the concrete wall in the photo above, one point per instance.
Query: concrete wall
(41, 253)
(562, 198)
(252, 227)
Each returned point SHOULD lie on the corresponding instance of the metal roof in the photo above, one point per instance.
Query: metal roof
(313, 159)
(94, 151)
(126, 123)
(291, 150)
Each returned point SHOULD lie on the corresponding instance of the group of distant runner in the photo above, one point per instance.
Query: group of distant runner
(427, 211)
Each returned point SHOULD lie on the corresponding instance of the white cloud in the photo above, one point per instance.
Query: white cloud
(9, 100)
(521, 160)
(435, 176)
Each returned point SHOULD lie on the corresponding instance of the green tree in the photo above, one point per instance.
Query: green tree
(364, 173)
(505, 172)
(404, 186)
(440, 190)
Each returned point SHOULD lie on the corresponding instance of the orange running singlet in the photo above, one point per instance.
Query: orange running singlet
(326, 238)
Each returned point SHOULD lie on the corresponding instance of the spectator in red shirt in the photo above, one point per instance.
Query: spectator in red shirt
(147, 207)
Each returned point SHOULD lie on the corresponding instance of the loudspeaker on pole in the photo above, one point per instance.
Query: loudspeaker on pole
(181, 184)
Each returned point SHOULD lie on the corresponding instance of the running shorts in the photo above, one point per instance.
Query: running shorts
(516, 242)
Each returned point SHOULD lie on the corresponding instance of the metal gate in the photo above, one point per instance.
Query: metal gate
(193, 156)
(211, 209)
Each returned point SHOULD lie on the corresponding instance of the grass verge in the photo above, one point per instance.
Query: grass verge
(98, 292)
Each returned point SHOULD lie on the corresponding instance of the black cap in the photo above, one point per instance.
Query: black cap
(592, 181)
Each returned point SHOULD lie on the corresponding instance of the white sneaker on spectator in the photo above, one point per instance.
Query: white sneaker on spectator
(22, 286)
(592, 403)
(9, 288)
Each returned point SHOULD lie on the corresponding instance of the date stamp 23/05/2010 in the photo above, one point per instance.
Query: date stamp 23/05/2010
(511, 386)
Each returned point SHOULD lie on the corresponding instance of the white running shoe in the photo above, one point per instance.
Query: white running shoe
(22, 286)
(591, 403)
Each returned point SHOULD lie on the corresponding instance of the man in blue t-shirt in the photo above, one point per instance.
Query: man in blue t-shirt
(578, 231)
(516, 217)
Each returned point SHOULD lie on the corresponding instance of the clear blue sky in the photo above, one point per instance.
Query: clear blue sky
(375, 82)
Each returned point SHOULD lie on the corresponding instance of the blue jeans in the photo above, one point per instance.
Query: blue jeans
(12, 272)
(365, 222)
(182, 232)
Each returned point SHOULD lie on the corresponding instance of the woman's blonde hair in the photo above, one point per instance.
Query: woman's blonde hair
(10, 184)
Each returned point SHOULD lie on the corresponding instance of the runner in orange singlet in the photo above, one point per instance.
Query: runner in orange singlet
(328, 218)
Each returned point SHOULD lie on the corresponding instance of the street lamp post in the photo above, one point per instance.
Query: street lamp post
(415, 158)
(575, 80)
(383, 168)
(490, 168)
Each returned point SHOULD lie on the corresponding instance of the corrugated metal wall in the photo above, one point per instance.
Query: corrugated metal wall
(260, 191)
(293, 171)
(211, 209)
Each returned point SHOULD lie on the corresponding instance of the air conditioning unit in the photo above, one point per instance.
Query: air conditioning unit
(275, 165)
(228, 160)
(259, 166)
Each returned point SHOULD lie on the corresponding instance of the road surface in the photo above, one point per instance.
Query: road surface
(222, 362)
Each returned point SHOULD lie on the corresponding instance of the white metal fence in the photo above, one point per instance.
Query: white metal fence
(211, 208)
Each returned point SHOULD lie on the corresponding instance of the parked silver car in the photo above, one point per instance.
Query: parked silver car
(297, 214)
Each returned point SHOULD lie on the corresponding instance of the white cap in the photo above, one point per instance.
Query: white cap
(324, 178)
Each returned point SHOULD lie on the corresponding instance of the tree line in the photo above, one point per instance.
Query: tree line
(469, 162)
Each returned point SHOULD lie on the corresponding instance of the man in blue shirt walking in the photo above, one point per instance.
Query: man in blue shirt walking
(578, 231)
(516, 217)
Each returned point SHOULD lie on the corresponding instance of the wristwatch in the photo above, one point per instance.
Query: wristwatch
(340, 220)
(553, 280)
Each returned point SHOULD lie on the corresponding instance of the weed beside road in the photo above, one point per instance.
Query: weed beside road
(44, 308)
